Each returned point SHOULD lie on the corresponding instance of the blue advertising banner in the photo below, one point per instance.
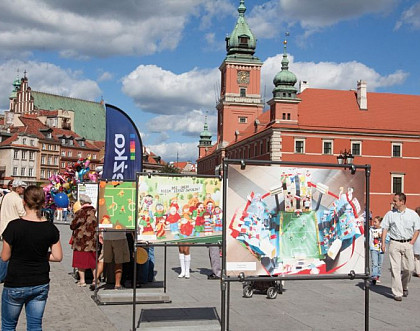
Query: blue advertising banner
(123, 147)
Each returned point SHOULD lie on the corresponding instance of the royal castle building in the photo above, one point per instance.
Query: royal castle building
(311, 124)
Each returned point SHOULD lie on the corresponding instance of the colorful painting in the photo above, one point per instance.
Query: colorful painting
(179, 209)
(117, 205)
(284, 221)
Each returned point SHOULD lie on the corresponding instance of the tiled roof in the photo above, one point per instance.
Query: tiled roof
(339, 110)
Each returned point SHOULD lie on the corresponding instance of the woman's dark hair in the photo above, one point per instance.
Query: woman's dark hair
(34, 198)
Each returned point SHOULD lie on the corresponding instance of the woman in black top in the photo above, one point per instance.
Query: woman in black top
(29, 243)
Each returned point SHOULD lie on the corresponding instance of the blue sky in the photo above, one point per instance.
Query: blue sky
(158, 60)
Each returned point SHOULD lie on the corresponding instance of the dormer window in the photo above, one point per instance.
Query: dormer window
(49, 135)
(63, 141)
(243, 41)
(82, 143)
(71, 143)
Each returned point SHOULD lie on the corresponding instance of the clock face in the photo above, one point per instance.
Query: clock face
(243, 77)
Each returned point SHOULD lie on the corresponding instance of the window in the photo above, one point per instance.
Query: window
(50, 147)
(22, 171)
(300, 146)
(397, 182)
(268, 146)
(327, 147)
(48, 173)
(42, 173)
(55, 160)
(32, 142)
(31, 172)
(243, 41)
(63, 164)
(79, 154)
(396, 150)
(15, 171)
(284, 116)
(49, 161)
(288, 116)
(43, 159)
(43, 147)
(56, 147)
(15, 154)
(242, 119)
(63, 153)
(31, 155)
(71, 142)
(23, 155)
(242, 92)
(255, 150)
(63, 141)
(82, 143)
(69, 153)
(94, 156)
(49, 135)
(24, 141)
(356, 148)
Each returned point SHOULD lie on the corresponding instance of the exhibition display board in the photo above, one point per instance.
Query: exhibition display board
(294, 220)
(117, 205)
(179, 208)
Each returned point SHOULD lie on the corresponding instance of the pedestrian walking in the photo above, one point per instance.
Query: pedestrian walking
(403, 225)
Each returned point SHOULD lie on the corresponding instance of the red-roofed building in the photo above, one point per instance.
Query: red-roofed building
(313, 125)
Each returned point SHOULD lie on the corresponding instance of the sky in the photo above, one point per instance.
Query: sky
(159, 60)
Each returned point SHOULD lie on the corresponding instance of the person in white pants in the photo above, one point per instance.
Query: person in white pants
(185, 261)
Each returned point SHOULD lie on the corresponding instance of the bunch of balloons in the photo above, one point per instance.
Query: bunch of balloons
(63, 187)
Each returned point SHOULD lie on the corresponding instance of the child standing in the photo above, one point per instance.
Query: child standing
(375, 245)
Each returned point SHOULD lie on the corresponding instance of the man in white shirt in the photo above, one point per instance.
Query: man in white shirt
(12, 204)
(403, 225)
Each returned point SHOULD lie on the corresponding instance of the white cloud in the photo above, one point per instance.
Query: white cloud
(160, 91)
(105, 76)
(79, 29)
(331, 75)
(190, 124)
(215, 9)
(268, 18)
(49, 78)
(410, 17)
(170, 151)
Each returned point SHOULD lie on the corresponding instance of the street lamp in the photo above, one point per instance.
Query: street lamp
(347, 157)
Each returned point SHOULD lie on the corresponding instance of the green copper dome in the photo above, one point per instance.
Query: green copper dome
(241, 40)
(285, 80)
(16, 86)
(205, 135)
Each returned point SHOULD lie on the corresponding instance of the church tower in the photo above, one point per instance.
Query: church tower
(240, 96)
(205, 140)
(284, 104)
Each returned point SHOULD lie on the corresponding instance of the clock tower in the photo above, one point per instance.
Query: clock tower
(240, 96)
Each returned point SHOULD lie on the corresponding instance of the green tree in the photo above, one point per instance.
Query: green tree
(169, 169)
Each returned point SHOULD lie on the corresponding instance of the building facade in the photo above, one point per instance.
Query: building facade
(313, 125)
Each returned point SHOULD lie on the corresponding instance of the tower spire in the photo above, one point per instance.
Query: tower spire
(285, 80)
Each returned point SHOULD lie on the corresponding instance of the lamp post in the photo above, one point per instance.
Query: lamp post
(346, 157)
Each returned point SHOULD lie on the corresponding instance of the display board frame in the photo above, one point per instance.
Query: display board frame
(241, 277)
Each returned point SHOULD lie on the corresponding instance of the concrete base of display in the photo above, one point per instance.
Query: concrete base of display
(143, 295)
(166, 319)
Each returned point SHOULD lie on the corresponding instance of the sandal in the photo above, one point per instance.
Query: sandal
(118, 288)
(81, 284)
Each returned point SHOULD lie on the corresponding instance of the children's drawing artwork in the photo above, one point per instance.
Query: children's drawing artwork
(117, 205)
(179, 209)
(284, 221)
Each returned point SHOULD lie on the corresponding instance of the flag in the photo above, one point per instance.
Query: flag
(123, 147)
